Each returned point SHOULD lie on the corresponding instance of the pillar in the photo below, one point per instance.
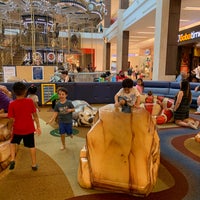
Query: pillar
(106, 48)
(108, 56)
(122, 39)
(107, 17)
(119, 40)
(125, 45)
(166, 34)
(123, 4)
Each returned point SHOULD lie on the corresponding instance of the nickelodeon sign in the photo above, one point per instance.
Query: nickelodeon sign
(188, 36)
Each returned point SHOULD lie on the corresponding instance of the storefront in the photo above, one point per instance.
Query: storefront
(188, 50)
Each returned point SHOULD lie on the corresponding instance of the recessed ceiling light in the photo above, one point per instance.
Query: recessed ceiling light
(136, 36)
(132, 40)
(143, 32)
(192, 8)
(151, 27)
(184, 20)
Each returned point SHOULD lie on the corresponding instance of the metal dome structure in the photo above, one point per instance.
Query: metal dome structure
(74, 14)
(48, 25)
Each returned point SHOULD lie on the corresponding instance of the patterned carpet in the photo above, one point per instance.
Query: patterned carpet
(179, 173)
(48, 183)
(178, 176)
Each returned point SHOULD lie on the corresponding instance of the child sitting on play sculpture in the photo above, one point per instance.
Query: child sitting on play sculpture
(127, 97)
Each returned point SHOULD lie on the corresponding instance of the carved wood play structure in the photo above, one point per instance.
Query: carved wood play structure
(122, 152)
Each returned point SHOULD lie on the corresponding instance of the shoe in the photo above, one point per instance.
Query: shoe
(12, 165)
(71, 136)
(62, 147)
(192, 125)
(35, 168)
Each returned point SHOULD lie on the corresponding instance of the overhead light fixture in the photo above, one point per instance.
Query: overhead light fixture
(184, 20)
(192, 8)
(144, 32)
(139, 37)
(197, 45)
(132, 40)
(153, 27)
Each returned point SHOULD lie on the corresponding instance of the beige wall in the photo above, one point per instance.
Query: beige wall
(26, 72)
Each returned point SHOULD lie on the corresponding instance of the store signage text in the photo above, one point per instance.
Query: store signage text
(188, 36)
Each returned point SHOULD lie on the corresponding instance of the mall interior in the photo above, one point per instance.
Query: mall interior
(113, 36)
(157, 39)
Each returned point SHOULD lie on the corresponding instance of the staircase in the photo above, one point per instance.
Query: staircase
(18, 57)
(11, 47)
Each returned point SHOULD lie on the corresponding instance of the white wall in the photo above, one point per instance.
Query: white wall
(96, 44)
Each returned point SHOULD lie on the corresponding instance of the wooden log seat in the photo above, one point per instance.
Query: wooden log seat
(4, 144)
(122, 152)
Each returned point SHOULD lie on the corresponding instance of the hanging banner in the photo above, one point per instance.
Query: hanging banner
(8, 72)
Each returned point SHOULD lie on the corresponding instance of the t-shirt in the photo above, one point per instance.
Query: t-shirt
(33, 97)
(63, 115)
(129, 97)
(21, 110)
(4, 101)
(197, 72)
(139, 88)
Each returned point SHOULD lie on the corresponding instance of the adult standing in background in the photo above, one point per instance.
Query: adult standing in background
(183, 75)
(65, 76)
(130, 72)
(196, 74)
(121, 76)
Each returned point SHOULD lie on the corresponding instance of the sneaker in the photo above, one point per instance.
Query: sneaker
(35, 168)
(192, 125)
(12, 165)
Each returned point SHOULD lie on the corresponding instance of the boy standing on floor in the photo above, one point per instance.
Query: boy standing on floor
(63, 109)
(22, 114)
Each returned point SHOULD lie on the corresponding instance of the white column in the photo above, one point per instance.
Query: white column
(119, 39)
(104, 56)
(160, 44)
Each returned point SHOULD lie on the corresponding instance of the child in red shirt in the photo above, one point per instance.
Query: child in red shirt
(22, 115)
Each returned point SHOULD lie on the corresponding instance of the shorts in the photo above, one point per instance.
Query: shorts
(28, 140)
(65, 128)
(125, 108)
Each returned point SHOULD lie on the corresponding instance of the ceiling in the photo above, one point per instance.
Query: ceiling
(75, 15)
(142, 33)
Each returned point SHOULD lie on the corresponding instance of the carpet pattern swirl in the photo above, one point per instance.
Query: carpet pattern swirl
(56, 179)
